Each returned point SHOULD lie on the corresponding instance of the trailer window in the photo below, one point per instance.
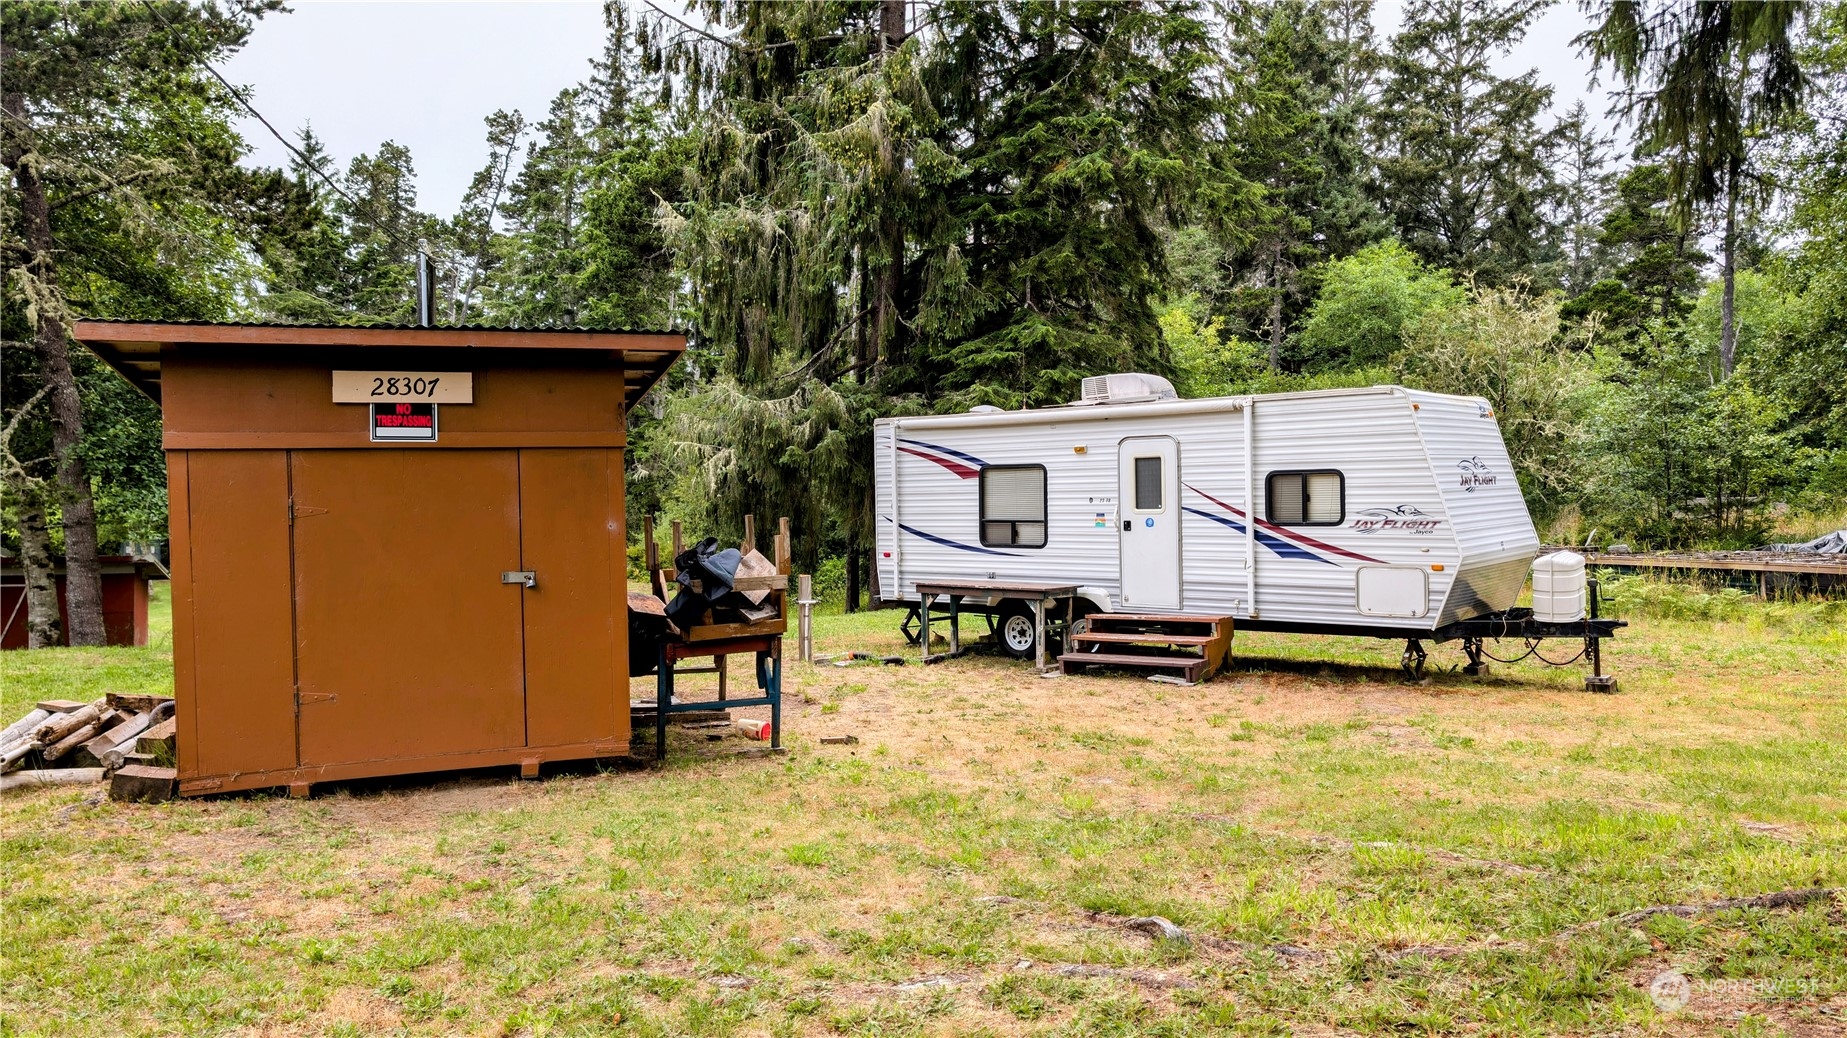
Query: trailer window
(1013, 506)
(1148, 484)
(1306, 498)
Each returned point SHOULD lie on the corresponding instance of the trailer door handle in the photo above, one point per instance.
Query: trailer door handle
(1127, 525)
(524, 577)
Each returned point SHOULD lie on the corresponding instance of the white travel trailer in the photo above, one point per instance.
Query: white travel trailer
(1384, 511)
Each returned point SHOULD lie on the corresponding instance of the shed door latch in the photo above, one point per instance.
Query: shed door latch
(524, 577)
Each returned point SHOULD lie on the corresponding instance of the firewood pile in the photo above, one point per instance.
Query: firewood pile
(127, 740)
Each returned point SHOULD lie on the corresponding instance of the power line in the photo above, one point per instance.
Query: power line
(297, 152)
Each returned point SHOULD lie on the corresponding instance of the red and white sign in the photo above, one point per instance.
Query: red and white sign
(395, 422)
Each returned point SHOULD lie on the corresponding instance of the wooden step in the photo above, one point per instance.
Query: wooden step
(1190, 618)
(1127, 660)
(1151, 637)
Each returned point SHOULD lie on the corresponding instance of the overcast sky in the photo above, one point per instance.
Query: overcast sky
(425, 74)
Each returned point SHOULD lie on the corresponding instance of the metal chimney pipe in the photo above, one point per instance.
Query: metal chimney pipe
(426, 291)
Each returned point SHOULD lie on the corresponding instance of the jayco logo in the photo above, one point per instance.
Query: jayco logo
(1401, 519)
(1474, 474)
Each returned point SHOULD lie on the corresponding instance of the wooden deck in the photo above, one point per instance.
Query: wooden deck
(1734, 561)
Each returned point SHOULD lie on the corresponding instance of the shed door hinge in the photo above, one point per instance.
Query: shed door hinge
(302, 511)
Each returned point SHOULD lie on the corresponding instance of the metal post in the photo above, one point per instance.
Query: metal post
(774, 688)
(805, 628)
(663, 695)
(1039, 634)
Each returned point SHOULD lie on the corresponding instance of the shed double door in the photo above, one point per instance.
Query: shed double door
(407, 641)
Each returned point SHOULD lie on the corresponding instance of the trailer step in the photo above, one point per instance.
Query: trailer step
(1149, 637)
(1209, 638)
(1191, 668)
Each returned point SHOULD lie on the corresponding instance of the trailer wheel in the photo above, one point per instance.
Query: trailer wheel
(1016, 634)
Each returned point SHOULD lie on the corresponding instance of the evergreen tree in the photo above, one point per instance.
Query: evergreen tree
(120, 156)
(305, 272)
(1706, 82)
(1462, 157)
(1655, 266)
(1083, 126)
(1290, 137)
(385, 230)
(470, 234)
(540, 270)
(1585, 184)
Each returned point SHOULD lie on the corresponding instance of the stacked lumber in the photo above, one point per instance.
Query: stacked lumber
(127, 739)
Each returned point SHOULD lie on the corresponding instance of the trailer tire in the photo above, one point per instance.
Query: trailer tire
(1015, 631)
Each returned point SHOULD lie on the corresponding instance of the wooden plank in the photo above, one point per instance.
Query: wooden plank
(1149, 638)
(136, 702)
(60, 706)
(139, 783)
(651, 558)
(1127, 660)
(51, 777)
(1752, 564)
(775, 582)
(1190, 618)
(716, 632)
(156, 739)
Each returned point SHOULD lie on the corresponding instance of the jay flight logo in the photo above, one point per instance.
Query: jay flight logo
(1475, 473)
(1399, 519)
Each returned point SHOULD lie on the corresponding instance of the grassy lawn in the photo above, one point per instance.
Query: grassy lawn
(1349, 853)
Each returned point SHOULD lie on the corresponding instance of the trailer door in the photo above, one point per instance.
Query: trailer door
(1148, 489)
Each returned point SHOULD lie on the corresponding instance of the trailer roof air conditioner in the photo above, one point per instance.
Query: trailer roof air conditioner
(1131, 387)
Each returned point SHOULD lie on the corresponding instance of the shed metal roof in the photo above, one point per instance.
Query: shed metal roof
(133, 347)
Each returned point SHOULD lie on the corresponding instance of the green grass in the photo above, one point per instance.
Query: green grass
(939, 878)
(27, 677)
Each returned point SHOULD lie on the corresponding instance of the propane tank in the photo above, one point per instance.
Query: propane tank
(1559, 587)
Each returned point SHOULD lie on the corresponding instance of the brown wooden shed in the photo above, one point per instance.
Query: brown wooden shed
(394, 550)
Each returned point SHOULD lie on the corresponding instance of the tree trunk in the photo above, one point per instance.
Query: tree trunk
(885, 312)
(1728, 328)
(870, 540)
(83, 582)
(44, 627)
(891, 24)
(1276, 308)
(853, 555)
(887, 350)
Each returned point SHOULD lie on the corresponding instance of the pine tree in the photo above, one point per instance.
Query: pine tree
(1084, 127)
(119, 152)
(470, 234)
(1294, 138)
(385, 230)
(1655, 265)
(1462, 156)
(1706, 82)
(1585, 185)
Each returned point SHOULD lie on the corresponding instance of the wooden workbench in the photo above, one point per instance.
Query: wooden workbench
(1039, 593)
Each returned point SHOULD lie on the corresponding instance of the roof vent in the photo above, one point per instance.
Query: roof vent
(1132, 387)
(984, 409)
